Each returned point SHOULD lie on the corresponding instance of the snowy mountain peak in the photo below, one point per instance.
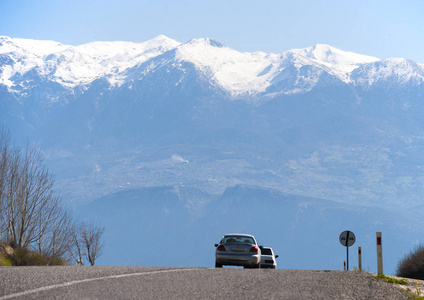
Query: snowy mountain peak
(327, 54)
(240, 74)
(236, 72)
(77, 65)
(163, 39)
(393, 70)
(205, 42)
(162, 42)
(34, 47)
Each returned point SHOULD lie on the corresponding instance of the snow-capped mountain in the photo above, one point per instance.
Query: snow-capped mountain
(73, 66)
(232, 117)
(163, 134)
(399, 71)
(238, 74)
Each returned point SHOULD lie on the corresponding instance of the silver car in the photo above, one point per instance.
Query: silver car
(238, 250)
(268, 259)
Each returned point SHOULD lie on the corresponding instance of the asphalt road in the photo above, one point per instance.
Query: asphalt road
(188, 283)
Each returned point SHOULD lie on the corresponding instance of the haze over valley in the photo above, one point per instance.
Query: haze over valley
(179, 140)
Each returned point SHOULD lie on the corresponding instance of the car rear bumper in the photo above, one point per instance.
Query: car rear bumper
(239, 259)
(268, 266)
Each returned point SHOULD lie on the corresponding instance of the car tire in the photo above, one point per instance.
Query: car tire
(218, 265)
(258, 266)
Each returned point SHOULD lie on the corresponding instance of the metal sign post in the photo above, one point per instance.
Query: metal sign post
(360, 258)
(347, 239)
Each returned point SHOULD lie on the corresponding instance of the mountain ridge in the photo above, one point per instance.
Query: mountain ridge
(240, 74)
(289, 224)
(188, 141)
(284, 121)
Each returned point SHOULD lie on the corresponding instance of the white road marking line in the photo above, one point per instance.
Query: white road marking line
(65, 284)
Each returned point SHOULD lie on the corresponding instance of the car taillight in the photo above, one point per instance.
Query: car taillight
(254, 249)
(221, 248)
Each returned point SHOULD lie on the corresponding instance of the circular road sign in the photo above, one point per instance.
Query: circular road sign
(347, 238)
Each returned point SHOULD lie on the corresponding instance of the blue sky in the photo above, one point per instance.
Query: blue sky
(378, 28)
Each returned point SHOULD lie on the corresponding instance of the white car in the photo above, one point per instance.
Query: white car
(238, 250)
(268, 259)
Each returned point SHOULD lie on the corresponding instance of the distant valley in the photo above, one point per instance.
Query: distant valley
(204, 139)
(173, 226)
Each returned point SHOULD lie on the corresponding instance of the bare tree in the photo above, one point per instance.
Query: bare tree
(76, 246)
(9, 182)
(53, 241)
(31, 214)
(4, 149)
(28, 206)
(32, 197)
(91, 236)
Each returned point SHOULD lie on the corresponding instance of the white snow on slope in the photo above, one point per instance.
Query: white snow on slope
(27, 46)
(334, 61)
(236, 72)
(77, 65)
(327, 54)
(395, 70)
(239, 73)
(119, 56)
(252, 73)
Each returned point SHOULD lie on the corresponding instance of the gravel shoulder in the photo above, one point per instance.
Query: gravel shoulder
(190, 283)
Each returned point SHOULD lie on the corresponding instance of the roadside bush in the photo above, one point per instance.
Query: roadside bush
(412, 265)
(35, 259)
(5, 249)
(57, 261)
(22, 257)
(5, 262)
(25, 257)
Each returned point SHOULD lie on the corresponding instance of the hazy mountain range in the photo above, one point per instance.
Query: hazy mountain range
(320, 123)
(155, 226)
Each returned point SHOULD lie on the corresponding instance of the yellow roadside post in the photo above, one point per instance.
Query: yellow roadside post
(379, 254)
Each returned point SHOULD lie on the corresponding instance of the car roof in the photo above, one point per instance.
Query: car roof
(267, 248)
(239, 234)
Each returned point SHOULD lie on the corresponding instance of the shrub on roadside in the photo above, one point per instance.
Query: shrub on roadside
(22, 257)
(25, 257)
(57, 261)
(5, 262)
(412, 265)
(5, 249)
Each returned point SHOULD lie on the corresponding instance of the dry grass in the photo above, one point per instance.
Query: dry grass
(10, 256)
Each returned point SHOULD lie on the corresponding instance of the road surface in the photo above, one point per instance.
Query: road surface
(76, 282)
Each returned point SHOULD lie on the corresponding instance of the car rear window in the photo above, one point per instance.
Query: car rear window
(266, 251)
(234, 239)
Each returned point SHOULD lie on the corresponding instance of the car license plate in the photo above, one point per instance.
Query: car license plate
(238, 250)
